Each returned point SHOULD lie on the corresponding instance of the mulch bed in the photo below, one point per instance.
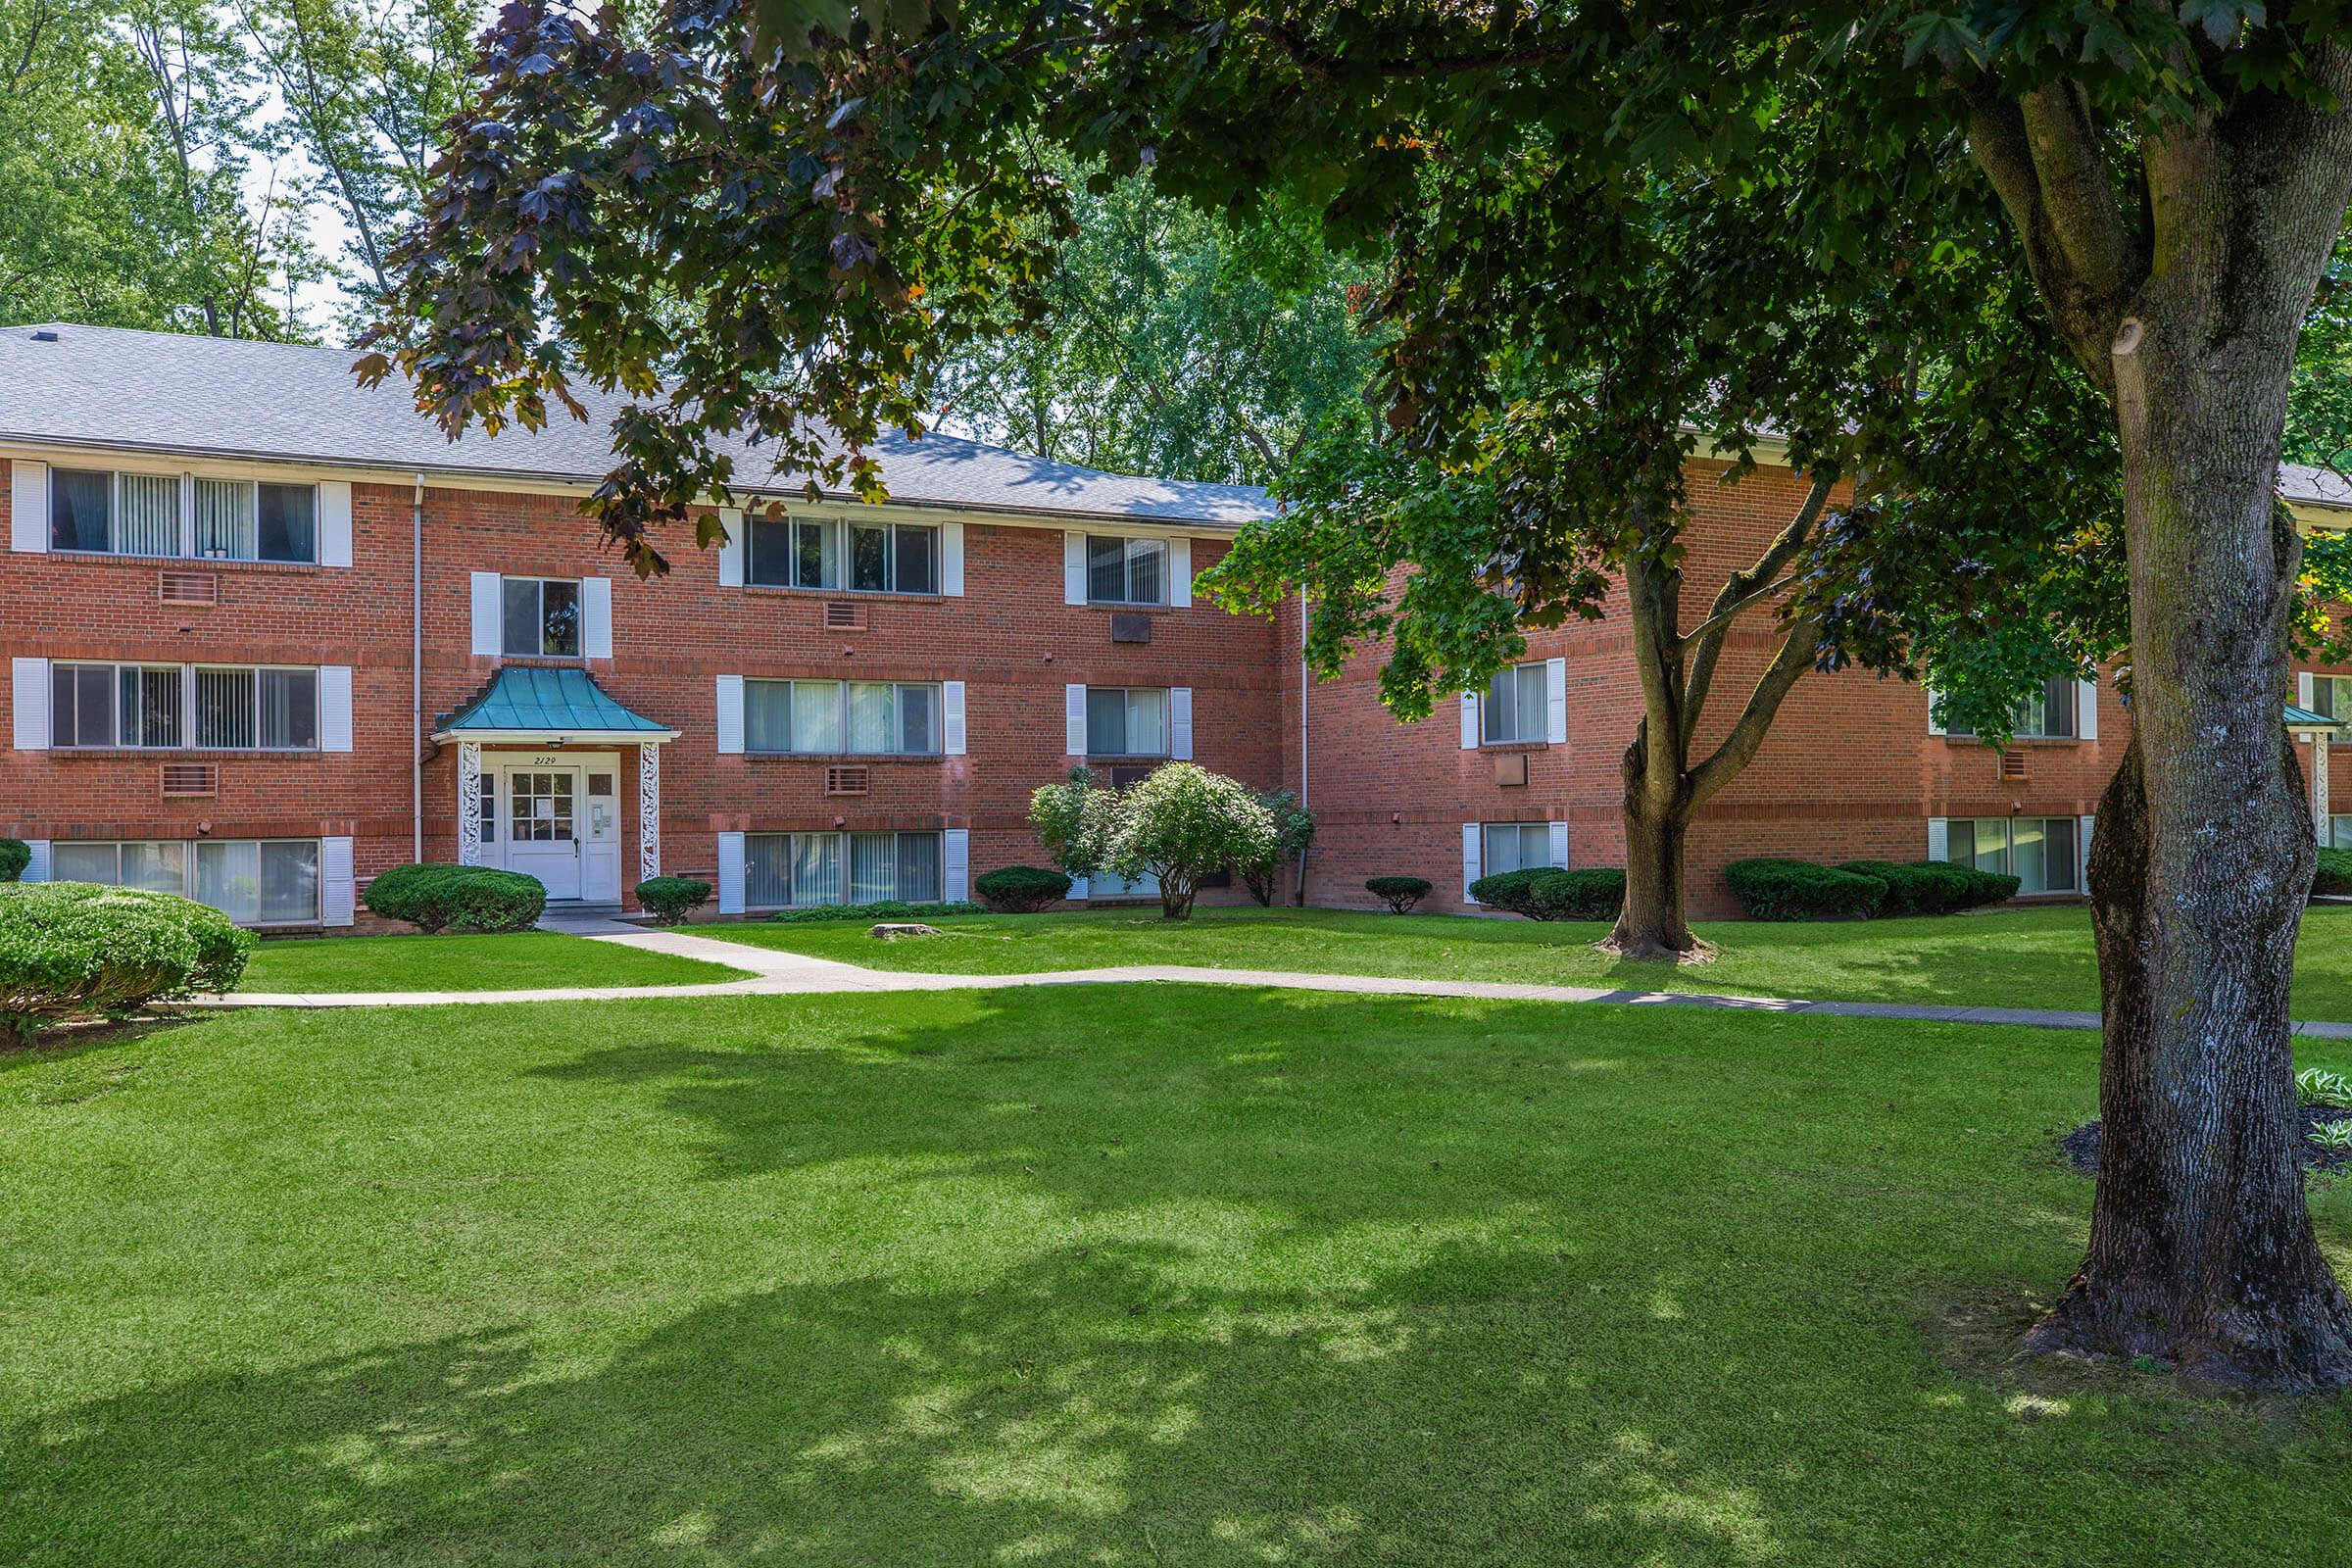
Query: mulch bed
(2081, 1146)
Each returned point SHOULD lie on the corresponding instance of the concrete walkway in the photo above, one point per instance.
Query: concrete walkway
(791, 974)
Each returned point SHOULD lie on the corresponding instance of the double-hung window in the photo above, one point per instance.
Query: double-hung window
(2047, 717)
(2038, 851)
(172, 706)
(541, 617)
(834, 717)
(1513, 847)
(1126, 721)
(1126, 572)
(100, 511)
(254, 881)
(1513, 708)
(842, 557)
(784, 869)
(2332, 696)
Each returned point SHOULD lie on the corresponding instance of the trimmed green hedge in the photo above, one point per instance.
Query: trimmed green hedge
(1399, 892)
(14, 856)
(477, 899)
(73, 949)
(671, 899)
(1797, 890)
(1021, 889)
(888, 910)
(1549, 893)
(2334, 874)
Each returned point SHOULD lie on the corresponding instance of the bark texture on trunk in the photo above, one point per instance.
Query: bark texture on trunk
(1652, 927)
(2201, 1248)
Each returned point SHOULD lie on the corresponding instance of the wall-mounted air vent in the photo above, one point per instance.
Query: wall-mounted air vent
(188, 588)
(844, 615)
(847, 779)
(189, 779)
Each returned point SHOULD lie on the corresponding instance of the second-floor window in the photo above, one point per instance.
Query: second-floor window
(838, 556)
(1126, 572)
(1126, 721)
(2332, 696)
(541, 617)
(2051, 715)
(100, 511)
(834, 717)
(176, 707)
(1513, 708)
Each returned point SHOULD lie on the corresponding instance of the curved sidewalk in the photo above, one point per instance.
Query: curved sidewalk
(785, 974)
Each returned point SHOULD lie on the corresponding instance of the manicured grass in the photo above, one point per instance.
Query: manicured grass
(1140, 1275)
(2004, 959)
(518, 960)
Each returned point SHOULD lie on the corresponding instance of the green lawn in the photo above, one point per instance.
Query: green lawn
(1145, 1275)
(518, 960)
(2006, 959)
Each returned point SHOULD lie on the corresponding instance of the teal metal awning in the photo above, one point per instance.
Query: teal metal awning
(540, 704)
(2305, 718)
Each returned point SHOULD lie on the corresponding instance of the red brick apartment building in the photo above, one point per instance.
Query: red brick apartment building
(268, 634)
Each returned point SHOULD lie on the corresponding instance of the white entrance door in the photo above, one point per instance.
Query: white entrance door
(543, 828)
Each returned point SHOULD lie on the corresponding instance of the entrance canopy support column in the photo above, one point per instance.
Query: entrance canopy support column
(470, 804)
(648, 810)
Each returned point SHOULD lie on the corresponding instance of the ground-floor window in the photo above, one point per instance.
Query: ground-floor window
(252, 881)
(784, 869)
(2340, 832)
(1514, 846)
(2038, 851)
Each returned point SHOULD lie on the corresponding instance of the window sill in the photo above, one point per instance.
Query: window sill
(861, 594)
(1125, 608)
(1127, 759)
(1514, 746)
(838, 758)
(195, 562)
(203, 754)
(2015, 740)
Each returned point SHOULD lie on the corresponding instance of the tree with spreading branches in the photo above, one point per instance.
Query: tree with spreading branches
(780, 221)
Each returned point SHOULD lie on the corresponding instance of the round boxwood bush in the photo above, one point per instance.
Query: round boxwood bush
(2334, 874)
(1983, 887)
(1924, 887)
(1797, 890)
(458, 898)
(14, 856)
(1021, 889)
(1399, 892)
(1549, 893)
(671, 899)
(73, 949)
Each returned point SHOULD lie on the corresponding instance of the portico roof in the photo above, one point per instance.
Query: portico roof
(2305, 718)
(546, 704)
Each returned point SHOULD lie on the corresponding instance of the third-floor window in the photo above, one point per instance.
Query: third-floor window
(838, 556)
(542, 618)
(1126, 572)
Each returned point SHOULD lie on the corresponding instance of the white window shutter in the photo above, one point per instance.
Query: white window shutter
(1934, 725)
(729, 725)
(1470, 854)
(488, 637)
(1469, 722)
(338, 903)
(1180, 723)
(951, 560)
(1559, 844)
(30, 701)
(1073, 568)
(1555, 702)
(731, 548)
(2082, 831)
(595, 617)
(1940, 837)
(2086, 709)
(951, 727)
(1180, 573)
(2303, 692)
(1073, 709)
(957, 876)
(28, 507)
(334, 709)
(730, 873)
(334, 523)
(36, 869)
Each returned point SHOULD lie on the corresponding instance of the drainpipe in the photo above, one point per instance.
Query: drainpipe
(417, 673)
(1298, 893)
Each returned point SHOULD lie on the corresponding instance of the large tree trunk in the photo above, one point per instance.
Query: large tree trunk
(1652, 926)
(2201, 1247)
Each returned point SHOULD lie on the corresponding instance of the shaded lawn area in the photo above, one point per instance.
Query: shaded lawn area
(2002, 958)
(1140, 1275)
(514, 961)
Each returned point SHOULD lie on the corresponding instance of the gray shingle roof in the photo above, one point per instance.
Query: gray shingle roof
(109, 387)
